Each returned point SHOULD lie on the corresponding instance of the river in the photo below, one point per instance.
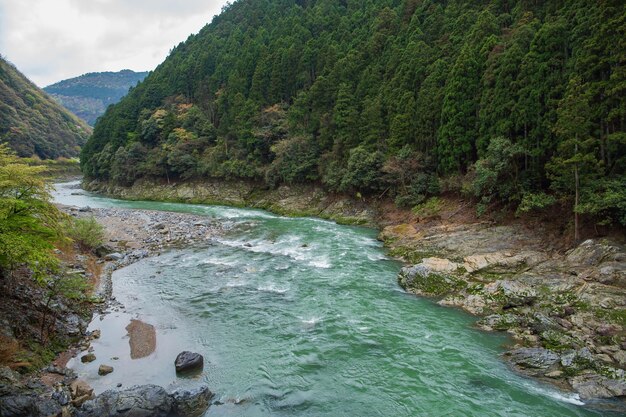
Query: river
(303, 317)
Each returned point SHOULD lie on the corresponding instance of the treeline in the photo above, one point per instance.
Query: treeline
(514, 102)
(32, 123)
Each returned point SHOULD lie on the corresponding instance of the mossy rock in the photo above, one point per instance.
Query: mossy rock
(421, 280)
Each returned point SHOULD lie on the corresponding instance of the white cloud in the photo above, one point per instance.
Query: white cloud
(51, 40)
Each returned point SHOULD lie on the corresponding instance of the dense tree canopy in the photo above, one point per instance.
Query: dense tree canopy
(32, 123)
(383, 95)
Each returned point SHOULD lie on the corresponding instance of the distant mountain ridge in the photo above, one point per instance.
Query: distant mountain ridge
(32, 123)
(88, 95)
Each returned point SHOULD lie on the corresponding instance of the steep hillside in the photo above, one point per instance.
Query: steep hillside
(32, 123)
(513, 103)
(89, 95)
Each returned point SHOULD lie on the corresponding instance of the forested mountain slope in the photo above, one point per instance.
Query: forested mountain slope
(89, 95)
(32, 123)
(517, 102)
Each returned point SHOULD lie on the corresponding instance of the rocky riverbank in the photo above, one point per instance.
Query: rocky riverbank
(130, 235)
(296, 200)
(566, 311)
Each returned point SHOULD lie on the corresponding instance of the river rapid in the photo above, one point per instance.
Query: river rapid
(302, 317)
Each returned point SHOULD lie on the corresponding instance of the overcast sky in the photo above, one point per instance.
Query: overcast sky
(51, 40)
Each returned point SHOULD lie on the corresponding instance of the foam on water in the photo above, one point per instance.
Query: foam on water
(273, 288)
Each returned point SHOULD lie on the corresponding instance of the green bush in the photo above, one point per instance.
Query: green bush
(87, 232)
(364, 170)
(535, 201)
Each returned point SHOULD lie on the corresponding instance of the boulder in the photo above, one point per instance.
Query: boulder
(591, 252)
(189, 361)
(103, 250)
(511, 293)
(90, 357)
(105, 370)
(115, 256)
(191, 403)
(536, 360)
(138, 401)
(81, 392)
(591, 386)
(29, 405)
(432, 276)
(79, 387)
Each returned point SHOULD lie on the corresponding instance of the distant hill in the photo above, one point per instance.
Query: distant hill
(89, 95)
(32, 123)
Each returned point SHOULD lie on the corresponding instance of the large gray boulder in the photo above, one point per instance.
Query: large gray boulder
(138, 401)
(29, 406)
(533, 360)
(591, 386)
(147, 401)
(432, 277)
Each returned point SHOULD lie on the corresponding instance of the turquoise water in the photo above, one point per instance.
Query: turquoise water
(303, 317)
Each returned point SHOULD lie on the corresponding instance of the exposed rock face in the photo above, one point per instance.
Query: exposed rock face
(29, 406)
(432, 276)
(591, 386)
(570, 307)
(306, 200)
(537, 360)
(189, 362)
(139, 401)
(147, 401)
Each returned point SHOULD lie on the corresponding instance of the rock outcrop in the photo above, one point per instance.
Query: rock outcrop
(147, 401)
(570, 308)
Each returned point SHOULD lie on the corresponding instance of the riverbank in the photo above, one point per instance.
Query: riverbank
(130, 235)
(293, 201)
(564, 308)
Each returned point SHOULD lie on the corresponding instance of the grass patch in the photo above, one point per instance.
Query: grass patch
(617, 316)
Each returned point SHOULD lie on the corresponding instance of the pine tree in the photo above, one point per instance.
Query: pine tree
(575, 165)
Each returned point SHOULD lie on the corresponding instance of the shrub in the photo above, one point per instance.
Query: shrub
(364, 170)
(535, 201)
(87, 232)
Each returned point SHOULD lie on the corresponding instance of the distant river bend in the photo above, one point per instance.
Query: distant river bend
(303, 317)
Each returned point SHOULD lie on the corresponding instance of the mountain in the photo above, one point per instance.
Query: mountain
(89, 95)
(514, 103)
(32, 123)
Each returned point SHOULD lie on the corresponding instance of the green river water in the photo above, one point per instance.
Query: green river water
(303, 317)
